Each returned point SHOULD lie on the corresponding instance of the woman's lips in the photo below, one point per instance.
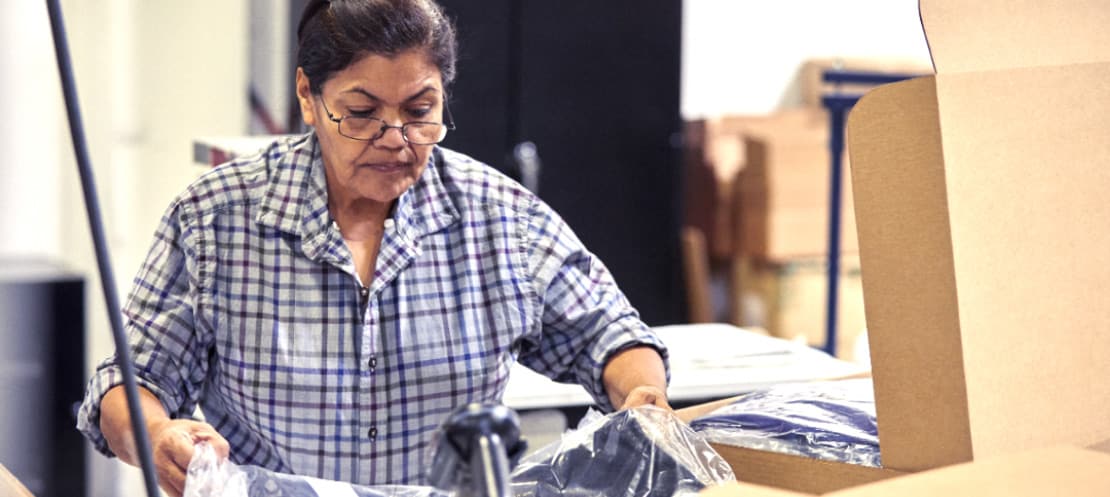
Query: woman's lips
(387, 167)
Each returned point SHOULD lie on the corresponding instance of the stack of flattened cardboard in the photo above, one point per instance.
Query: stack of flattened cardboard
(984, 229)
(783, 189)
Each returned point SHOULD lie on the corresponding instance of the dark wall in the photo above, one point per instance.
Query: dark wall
(595, 85)
(42, 350)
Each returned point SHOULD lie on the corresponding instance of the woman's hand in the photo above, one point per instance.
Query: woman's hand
(172, 442)
(645, 395)
(636, 376)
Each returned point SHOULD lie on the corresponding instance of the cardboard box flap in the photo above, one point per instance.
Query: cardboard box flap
(1025, 164)
(983, 233)
(897, 164)
(1051, 471)
(983, 35)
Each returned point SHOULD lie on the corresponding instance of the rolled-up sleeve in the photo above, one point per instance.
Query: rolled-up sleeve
(584, 317)
(159, 317)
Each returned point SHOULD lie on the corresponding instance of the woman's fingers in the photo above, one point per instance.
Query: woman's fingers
(646, 395)
(174, 442)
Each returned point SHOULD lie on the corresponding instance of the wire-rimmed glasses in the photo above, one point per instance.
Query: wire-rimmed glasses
(365, 128)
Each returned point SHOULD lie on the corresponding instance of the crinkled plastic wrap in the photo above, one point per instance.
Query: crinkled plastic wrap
(640, 452)
(210, 476)
(833, 421)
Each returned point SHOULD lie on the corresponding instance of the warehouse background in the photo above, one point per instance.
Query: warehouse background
(153, 76)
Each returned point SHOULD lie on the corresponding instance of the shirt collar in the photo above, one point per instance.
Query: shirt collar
(296, 199)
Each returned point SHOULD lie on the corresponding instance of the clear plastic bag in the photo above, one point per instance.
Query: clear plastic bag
(832, 420)
(640, 452)
(210, 476)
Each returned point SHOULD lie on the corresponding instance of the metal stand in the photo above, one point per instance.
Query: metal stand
(478, 446)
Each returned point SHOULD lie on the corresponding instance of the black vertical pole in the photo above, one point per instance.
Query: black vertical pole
(836, 149)
(104, 263)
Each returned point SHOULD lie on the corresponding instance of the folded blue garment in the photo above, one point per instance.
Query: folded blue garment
(832, 421)
(642, 452)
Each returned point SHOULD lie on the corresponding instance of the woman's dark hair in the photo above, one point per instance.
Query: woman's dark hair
(333, 34)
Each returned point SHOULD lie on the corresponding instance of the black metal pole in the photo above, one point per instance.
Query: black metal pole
(104, 263)
(836, 150)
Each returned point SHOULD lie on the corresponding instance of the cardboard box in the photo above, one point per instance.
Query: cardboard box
(782, 193)
(716, 153)
(788, 299)
(711, 159)
(1036, 473)
(984, 227)
(10, 485)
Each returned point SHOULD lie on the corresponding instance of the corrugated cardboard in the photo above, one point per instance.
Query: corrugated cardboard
(1036, 473)
(788, 299)
(984, 230)
(783, 183)
(783, 190)
(1053, 471)
(10, 486)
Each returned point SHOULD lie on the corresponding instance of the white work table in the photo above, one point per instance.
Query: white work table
(708, 361)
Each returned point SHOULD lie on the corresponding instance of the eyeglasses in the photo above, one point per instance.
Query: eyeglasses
(371, 128)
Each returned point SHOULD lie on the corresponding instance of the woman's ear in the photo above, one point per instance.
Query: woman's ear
(304, 97)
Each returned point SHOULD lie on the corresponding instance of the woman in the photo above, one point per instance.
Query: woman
(327, 302)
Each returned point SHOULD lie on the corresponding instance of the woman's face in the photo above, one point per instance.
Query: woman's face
(397, 90)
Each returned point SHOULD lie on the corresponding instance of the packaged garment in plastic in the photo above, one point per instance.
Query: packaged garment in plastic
(211, 476)
(833, 420)
(640, 452)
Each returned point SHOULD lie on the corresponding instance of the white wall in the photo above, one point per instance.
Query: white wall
(29, 134)
(151, 76)
(740, 56)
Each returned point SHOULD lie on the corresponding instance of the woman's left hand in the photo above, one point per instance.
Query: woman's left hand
(645, 395)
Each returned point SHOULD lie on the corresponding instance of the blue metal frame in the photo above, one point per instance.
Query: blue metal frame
(838, 105)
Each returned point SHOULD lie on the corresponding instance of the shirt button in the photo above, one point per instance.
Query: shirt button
(389, 224)
(373, 363)
(372, 433)
(364, 292)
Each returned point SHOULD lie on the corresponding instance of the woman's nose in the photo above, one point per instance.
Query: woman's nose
(392, 137)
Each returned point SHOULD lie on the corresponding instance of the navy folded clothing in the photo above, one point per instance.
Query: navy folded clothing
(210, 476)
(641, 452)
(832, 421)
(634, 453)
(266, 483)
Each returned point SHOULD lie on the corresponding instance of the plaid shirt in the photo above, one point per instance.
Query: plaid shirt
(248, 304)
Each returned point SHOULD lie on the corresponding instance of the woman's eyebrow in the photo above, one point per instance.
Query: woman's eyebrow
(363, 91)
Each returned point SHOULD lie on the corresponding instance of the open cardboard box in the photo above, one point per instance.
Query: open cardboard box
(1035, 473)
(982, 200)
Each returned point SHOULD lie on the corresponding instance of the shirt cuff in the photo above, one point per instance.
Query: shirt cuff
(627, 336)
(106, 377)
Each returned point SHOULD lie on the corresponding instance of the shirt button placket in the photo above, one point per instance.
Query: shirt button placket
(367, 378)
